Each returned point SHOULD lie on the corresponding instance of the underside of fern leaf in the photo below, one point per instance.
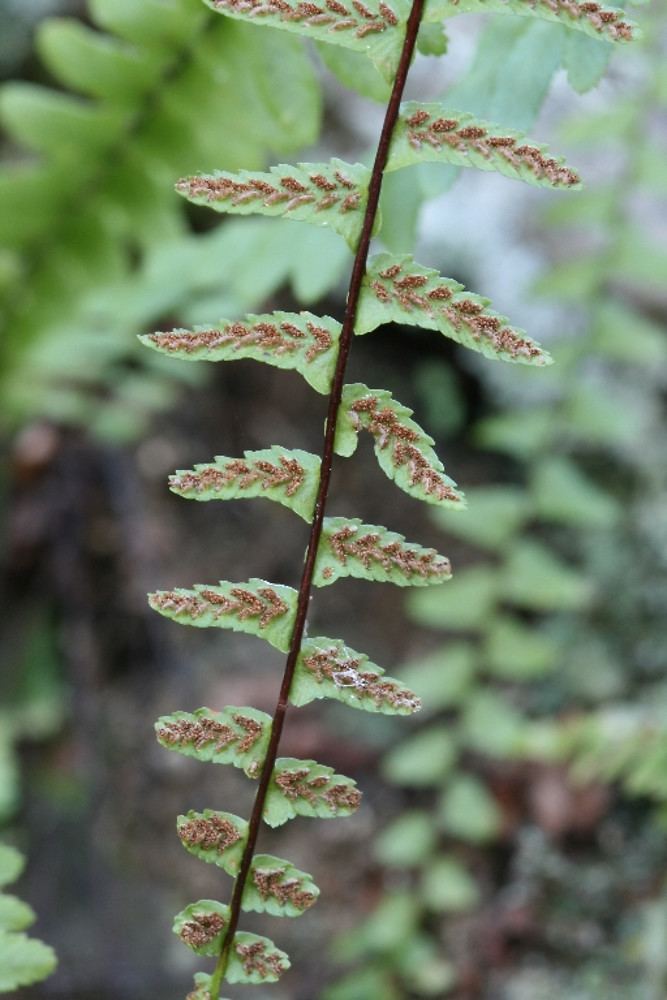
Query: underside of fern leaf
(432, 132)
(327, 668)
(237, 736)
(370, 27)
(288, 477)
(370, 552)
(326, 194)
(306, 788)
(216, 837)
(277, 887)
(404, 451)
(299, 341)
(593, 18)
(257, 607)
(397, 290)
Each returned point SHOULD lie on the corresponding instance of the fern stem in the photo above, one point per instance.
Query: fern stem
(306, 585)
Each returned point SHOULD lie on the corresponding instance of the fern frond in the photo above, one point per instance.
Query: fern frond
(288, 477)
(434, 133)
(397, 290)
(23, 960)
(370, 27)
(370, 552)
(327, 668)
(403, 449)
(275, 886)
(202, 926)
(300, 341)
(15, 915)
(593, 18)
(327, 194)
(257, 607)
(216, 837)
(237, 736)
(306, 788)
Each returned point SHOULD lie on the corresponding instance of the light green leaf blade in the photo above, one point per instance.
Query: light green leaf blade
(518, 652)
(403, 449)
(15, 915)
(467, 810)
(366, 983)
(275, 886)
(372, 28)
(408, 841)
(521, 432)
(258, 608)
(423, 760)
(585, 60)
(355, 71)
(93, 63)
(491, 725)
(534, 578)
(493, 518)
(42, 119)
(300, 341)
(384, 931)
(327, 668)
(151, 21)
(216, 837)
(432, 39)
(283, 100)
(465, 603)
(596, 20)
(371, 552)
(447, 887)
(397, 290)
(202, 926)
(23, 961)
(435, 133)
(443, 678)
(255, 959)
(327, 194)
(625, 335)
(511, 72)
(12, 864)
(564, 494)
(289, 477)
(237, 736)
(306, 788)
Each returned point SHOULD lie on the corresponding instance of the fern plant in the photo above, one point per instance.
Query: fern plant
(23, 960)
(385, 288)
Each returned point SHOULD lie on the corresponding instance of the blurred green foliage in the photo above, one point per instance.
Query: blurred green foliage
(23, 960)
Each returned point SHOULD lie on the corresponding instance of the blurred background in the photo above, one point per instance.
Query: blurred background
(513, 837)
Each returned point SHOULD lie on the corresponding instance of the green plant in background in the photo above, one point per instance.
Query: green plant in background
(550, 614)
(23, 960)
(90, 228)
(385, 288)
(80, 275)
